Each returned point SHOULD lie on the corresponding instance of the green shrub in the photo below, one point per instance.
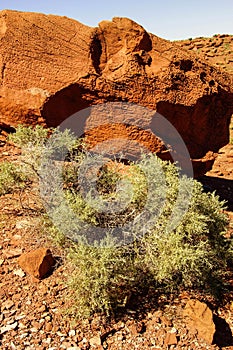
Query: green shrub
(26, 136)
(32, 142)
(192, 254)
(11, 177)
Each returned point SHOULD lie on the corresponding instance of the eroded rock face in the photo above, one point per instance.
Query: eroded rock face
(52, 67)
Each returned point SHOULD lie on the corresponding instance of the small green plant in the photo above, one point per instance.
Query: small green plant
(227, 47)
(12, 177)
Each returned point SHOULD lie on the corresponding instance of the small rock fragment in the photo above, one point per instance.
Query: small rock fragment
(15, 240)
(9, 327)
(13, 347)
(95, 340)
(72, 333)
(12, 253)
(22, 224)
(23, 335)
(19, 273)
(37, 263)
(48, 327)
(7, 304)
(199, 317)
(166, 321)
(42, 308)
(170, 339)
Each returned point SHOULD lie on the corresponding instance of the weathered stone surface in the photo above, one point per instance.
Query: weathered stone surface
(199, 317)
(52, 67)
(37, 263)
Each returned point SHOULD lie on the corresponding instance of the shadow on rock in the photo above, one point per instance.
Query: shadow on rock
(223, 336)
(223, 188)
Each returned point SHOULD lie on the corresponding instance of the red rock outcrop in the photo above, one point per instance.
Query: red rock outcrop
(52, 67)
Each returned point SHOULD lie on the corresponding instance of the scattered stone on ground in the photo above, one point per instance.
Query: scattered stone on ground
(37, 263)
(199, 317)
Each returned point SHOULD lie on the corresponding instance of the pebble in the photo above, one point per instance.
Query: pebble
(22, 224)
(23, 335)
(60, 334)
(20, 317)
(173, 330)
(13, 347)
(48, 318)
(7, 305)
(9, 327)
(12, 253)
(48, 327)
(72, 333)
(19, 273)
(34, 330)
(95, 340)
(22, 325)
(42, 308)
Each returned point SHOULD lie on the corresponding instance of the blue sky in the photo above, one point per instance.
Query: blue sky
(178, 19)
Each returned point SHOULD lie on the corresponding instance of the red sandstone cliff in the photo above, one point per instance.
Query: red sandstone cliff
(51, 67)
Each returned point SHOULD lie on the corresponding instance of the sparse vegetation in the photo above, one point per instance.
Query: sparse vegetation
(227, 47)
(12, 177)
(104, 274)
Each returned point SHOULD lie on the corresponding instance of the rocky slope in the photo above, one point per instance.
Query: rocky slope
(52, 67)
(217, 50)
